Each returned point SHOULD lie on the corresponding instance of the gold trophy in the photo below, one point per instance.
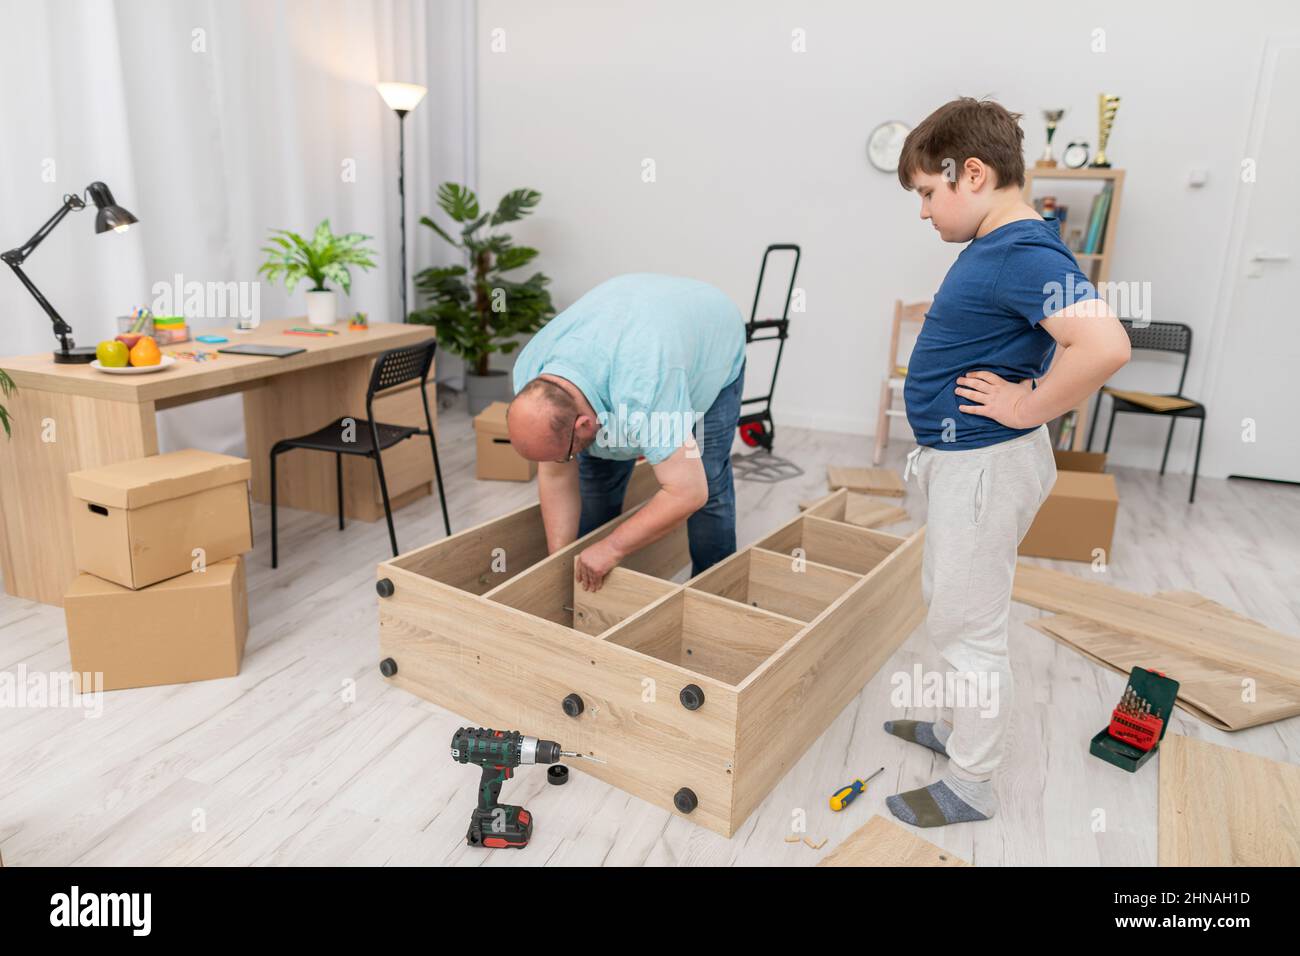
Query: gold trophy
(1107, 106)
(1053, 117)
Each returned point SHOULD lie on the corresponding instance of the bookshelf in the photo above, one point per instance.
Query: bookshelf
(1077, 187)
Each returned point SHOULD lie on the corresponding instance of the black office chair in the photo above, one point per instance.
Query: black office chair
(1158, 337)
(369, 438)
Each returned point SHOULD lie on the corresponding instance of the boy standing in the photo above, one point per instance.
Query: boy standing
(1013, 298)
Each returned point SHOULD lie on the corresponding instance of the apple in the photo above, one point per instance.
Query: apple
(112, 353)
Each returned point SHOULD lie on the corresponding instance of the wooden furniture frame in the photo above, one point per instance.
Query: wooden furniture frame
(70, 417)
(700, 696)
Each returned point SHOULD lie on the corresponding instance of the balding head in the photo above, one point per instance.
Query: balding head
(541, 421)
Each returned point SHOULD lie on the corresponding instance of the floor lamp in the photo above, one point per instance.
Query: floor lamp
(401, 99)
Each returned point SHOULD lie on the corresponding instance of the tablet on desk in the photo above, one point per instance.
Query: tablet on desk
(272, 351)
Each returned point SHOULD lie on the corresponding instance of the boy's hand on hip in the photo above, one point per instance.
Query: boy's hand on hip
(593, 563)
(1004, 402)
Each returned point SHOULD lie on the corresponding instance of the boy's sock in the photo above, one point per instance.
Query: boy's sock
(926, 733)
(948, 800)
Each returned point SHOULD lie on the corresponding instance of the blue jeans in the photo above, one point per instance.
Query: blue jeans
(711, 530)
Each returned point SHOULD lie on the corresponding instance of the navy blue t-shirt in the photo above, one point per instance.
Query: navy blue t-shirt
(985, 317)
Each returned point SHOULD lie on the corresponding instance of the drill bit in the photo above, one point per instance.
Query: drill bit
(572, 753)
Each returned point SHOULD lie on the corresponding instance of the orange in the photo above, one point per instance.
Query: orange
(145, 352)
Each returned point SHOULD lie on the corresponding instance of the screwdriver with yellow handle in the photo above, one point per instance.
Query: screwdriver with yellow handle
(842, 797)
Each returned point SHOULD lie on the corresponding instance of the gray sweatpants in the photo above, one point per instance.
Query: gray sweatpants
(979, 504)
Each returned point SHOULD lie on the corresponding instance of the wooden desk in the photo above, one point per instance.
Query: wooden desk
(70, 417)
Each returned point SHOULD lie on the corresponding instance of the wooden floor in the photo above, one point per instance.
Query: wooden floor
(308, 757)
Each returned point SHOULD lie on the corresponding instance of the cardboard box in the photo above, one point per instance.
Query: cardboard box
(187, 628)
(497, 459)
(1079, 513)
(138, 522)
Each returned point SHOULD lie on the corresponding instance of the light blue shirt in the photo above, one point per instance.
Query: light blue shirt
(649, 352)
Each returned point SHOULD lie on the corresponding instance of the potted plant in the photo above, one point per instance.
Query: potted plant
(325, 257)
(475, 309)
(7, 387)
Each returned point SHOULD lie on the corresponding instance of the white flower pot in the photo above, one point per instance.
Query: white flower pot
(322, 307)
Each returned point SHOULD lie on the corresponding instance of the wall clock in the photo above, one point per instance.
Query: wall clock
(885, 143)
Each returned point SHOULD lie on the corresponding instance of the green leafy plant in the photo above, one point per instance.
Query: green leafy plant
(7, 386)
(475, 309)
(324, 258)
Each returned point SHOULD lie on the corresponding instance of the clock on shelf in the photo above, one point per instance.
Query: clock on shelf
(1075, 155)
(885, 144)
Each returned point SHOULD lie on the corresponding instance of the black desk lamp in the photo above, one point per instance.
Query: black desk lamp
(110, 216)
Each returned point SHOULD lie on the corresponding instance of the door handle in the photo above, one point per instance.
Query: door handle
(1256, 268)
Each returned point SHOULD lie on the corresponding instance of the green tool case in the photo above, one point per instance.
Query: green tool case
(1160, 691)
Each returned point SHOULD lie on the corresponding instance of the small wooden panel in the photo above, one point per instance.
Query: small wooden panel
(1222, 807)
(1156, 403)
(880, 842)
(775, 582)
(872, 481)
(853, 508)
(1242, 642)
(706, 634)
(727, 640)
(485, 556)
(622, 594)
(795, 694)
(832, 543)
(547, 589)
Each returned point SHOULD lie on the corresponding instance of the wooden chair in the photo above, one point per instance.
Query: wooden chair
(895, 374)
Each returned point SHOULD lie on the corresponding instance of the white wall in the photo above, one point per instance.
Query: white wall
(754, 143)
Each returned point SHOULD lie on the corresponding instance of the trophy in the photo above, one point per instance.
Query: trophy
(1107, 106)
(1053, 117)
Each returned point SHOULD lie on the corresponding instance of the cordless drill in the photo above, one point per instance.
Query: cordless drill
(498, 752)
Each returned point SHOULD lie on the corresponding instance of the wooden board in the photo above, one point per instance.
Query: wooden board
(875, 481)
(1222, 807)
(1243, 643)
(1209, 688)
(1157, 403)
(865, 511)
(880, 842)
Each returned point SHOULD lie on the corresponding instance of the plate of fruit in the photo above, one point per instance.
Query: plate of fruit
(139, 357)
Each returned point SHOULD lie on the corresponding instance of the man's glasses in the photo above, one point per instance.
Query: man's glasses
(572, 435)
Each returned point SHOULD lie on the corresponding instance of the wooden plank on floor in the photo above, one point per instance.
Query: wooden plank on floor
(883, 843)
(1236, 640)
(1222, 807)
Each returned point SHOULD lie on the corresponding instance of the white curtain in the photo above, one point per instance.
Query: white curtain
(215, 121)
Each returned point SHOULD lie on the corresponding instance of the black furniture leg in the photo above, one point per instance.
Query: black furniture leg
(1110, 429)
(437, 469)
(383, 487)
(1168, 441)
(1196, 464)
(1092, 427)
(274, 541)
(338, 476)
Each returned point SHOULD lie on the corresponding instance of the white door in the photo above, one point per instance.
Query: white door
(1254, 424)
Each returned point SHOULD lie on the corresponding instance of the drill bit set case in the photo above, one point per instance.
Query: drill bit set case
(699, 696)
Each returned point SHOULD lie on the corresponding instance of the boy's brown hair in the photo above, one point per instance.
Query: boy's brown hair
(961, 129)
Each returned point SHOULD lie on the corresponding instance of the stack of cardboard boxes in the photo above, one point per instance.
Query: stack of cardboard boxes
(162, 597)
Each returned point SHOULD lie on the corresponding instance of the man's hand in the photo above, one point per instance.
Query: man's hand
(998, 399)
(594, 562)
